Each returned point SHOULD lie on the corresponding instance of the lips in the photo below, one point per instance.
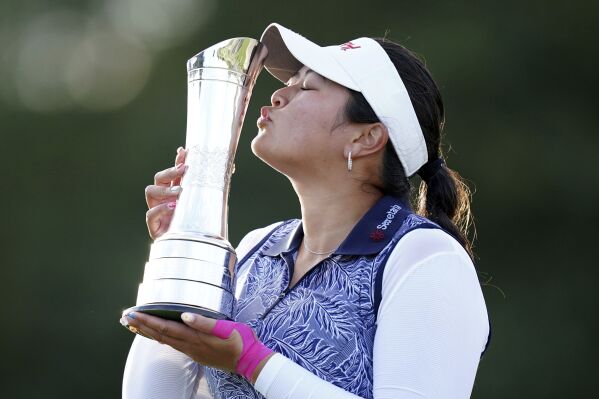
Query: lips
(264, 117)
(264, 112)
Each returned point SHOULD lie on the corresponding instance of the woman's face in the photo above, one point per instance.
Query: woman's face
(302, 132)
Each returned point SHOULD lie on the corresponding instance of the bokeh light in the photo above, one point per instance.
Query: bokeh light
(98, 59)
(158, 24)
(104, 72)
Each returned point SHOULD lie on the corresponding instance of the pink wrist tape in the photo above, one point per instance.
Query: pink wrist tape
(253, 350)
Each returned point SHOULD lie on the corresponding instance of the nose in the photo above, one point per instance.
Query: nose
(279, 98)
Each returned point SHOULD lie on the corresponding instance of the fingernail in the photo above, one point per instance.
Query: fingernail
(131, 315)
(124, 321)
(179, 149)
(171, 205)
(188, 317)
(175, 189)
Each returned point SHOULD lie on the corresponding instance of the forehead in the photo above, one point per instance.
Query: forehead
(303, 70)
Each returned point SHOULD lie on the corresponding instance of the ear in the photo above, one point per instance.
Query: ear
(369, 140)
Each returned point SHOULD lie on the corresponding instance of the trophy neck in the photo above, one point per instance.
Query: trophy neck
(220, 82)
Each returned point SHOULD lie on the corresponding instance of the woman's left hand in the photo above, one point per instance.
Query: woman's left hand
(194, 338)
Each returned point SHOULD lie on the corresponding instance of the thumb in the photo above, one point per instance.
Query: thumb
(198, 322)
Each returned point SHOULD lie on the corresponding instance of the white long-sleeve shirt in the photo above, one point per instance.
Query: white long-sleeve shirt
(432, 326)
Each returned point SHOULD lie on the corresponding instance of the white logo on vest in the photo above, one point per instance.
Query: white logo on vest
(390, 216)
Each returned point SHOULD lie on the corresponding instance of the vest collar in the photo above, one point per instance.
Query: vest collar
(369, 236)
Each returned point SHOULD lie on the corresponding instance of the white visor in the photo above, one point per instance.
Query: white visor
(361, 65)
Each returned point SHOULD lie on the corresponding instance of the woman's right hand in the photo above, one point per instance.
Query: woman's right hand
(161, 197)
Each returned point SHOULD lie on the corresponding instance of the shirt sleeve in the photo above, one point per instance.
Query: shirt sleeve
(432, 327)
(156, 371)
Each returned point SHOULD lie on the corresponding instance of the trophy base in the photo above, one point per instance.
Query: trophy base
(172, 311)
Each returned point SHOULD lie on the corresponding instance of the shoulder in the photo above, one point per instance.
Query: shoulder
(420, 244)
(256, 236)
(425, 248)
(430, 260)
(252, 238)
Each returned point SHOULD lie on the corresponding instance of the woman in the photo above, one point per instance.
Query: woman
(362, 297)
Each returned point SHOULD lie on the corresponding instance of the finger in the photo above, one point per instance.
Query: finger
(150, 333)
(125, 322)
(166, 177)
(198, 322)
(179, 159)
(156, 195)
(164, 331)
(158, 219)
(203, 327)
(181, 154)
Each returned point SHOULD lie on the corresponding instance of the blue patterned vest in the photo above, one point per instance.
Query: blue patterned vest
(327, 321)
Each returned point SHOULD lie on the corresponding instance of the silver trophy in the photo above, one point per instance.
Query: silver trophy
(189, 268)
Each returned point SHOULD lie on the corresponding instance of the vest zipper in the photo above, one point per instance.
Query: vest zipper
(279, 299)
(286, 290)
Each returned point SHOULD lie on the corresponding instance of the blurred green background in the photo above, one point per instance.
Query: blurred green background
(93, 103)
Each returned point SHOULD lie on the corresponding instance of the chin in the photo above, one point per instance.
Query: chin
(257, 144)
(260, 148)
(270, 156)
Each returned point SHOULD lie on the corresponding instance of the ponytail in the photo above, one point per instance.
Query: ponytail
(444, 198)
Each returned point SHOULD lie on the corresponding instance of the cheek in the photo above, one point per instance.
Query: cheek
(312, 121)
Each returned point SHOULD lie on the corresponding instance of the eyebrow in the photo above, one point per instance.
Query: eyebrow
(296, 74)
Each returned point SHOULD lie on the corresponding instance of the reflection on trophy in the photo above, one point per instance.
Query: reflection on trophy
(189, 266)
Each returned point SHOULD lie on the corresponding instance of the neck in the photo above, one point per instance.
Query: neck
(328, 216)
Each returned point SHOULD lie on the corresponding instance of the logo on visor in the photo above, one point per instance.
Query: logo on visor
(349, 46)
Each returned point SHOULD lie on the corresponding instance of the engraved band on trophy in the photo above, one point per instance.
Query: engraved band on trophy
(189, 266)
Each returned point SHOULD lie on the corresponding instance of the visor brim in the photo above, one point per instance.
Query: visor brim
(288, 52)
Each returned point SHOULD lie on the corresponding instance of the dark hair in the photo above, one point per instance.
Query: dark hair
(445, 198)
